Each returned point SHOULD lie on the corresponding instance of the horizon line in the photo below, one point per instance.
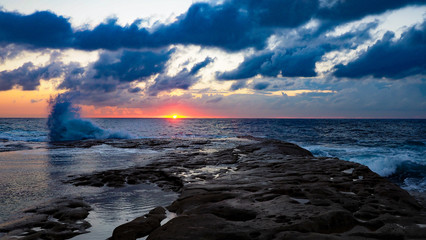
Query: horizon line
(313, 118)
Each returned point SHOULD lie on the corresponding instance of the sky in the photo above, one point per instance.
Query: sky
(228, 58)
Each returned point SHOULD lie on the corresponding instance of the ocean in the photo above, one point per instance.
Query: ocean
(31, 173)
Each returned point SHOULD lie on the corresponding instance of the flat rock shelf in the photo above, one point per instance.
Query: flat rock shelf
(243, 188)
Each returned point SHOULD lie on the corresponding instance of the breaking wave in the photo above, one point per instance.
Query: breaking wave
(403, 165)
(65, 124)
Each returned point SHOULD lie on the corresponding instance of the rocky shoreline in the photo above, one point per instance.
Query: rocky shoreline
(248, 188)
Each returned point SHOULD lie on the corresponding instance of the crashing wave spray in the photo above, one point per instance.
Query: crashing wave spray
(65, 123)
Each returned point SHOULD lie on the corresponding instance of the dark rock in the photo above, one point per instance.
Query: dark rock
(68, 212)
(71, 214)
(330, 222)
(204, 226)
(265, 189)
(194, 201)
(226, 212)
(140, 227)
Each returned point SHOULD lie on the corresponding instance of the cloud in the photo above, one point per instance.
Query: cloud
(231, 25)
(336, 12)
(224, 26)
(28, 76)
(298, 55)
(238, 85)
(111, 79)
(36, 100)
(111, 36)
(346, 10)
(114, 70)
(273, 34)
(261, 85)
(280, 13)
(197, 67)
(10, 51)
(388, 58)
(38, 30)
(352, 99)
(130, 65)
(214, 100)
(134, 90)
(183, 80)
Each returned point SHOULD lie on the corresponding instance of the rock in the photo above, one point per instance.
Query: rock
(264, 189)
(226, 212)
(329, 222)
(204, 226)
(71, 214)
(58, 219)
(141, 226)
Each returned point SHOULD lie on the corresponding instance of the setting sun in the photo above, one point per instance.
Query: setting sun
(174, 116)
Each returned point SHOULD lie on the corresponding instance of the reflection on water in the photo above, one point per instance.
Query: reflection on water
(30, 177)
(114, 207)
(24, 180)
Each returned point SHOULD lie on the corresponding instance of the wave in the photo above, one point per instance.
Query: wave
(404, 166)
(25, 136)
(410, 175)
(65, 124)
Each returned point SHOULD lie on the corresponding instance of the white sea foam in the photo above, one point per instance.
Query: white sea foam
(65, 123)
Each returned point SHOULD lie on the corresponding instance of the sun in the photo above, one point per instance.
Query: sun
(174, 116)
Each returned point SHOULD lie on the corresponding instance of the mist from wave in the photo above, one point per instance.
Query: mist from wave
(65, 124)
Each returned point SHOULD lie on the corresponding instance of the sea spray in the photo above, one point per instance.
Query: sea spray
(65, 124)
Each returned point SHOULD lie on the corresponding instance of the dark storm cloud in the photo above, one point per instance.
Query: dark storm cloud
(134, 90)
(232, 25)
(342, 11)
(28, 76)
(114, 70)
(109, 80)
(238, 85)
(261, 85)
(197, 67)
(39, 30)
(224, 26)
(348, 10)
(389, 58)
(297, 60)
(111, 36)
(131, 65)
(279, 13)
(183, 80)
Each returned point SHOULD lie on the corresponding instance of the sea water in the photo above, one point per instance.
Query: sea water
(392, 148)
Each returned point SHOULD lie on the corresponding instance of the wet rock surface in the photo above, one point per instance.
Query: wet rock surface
(252, 188)
(140, 227)
(58, 219)
(268, 189)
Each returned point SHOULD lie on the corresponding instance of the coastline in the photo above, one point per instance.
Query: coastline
(251, 188)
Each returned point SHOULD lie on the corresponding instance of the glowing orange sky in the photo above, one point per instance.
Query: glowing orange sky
(181, 111)
(17, 104)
